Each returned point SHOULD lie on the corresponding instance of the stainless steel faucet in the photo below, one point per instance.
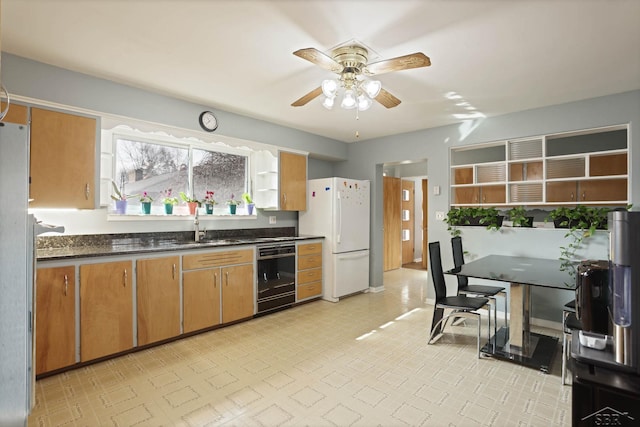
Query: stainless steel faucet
(196, 224)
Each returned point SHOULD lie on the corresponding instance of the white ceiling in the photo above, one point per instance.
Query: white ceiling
(236, 55)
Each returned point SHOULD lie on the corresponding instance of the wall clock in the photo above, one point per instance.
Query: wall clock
(208, 121)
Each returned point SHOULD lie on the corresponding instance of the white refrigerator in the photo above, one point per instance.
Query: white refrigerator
(339, 209)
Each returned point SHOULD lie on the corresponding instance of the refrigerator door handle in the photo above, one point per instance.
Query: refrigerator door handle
(354, 256)
(339, 217)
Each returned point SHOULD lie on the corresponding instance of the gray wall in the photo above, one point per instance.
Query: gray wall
(365, 160)
(360, 160)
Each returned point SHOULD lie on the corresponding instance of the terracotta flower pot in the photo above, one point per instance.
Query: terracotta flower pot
(192, 207)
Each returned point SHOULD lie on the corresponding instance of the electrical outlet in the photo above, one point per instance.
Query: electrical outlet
(440, 216)
(272, 220)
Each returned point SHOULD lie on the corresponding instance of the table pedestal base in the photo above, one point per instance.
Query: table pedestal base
(539, 354)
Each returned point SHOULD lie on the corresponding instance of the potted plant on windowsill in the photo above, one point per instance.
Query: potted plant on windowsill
(209, 201)
(233, 204)
(145, 203)
(490, 218)
(169, 201)
(120, 198)
(192, 202)
(249, 202)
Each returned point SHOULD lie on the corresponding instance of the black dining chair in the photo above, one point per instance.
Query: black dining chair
(570, 323)
(465, 288)
(460, 305)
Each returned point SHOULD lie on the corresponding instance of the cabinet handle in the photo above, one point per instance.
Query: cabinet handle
(66, 284)
(124, 279)
(572, 196)
(215, 280)
(173, 273)
(284, 199)
(484, 199)
(584, 195)
(86, 191)
(227, 274)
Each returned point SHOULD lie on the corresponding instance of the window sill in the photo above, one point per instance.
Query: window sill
(162, 217)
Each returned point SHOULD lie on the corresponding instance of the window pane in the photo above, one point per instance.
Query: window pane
(143, 166)
(223, 173)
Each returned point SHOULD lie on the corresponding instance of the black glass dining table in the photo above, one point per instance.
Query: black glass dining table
(516, 342)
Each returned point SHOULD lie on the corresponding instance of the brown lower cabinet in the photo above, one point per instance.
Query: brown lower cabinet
(106, 309)
(201, 299)
(309, 274)
(158, 299)
(55, 318)
(203, 274)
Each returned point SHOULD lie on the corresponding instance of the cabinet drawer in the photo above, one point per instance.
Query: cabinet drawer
(308, 276)
(309, 290)
(309, 261)
(214, 259)
(309, 249)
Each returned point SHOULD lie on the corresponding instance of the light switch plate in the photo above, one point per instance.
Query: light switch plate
(440, 215)
(272, 220)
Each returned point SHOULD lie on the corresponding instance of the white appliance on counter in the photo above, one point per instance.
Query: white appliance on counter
(339, 209)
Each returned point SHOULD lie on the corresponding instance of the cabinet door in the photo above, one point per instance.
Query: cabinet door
(466, 195)
(63, 157)
(491, 194)
(562, 191)
(597, 190)
(55, 318)
(237, 292)
(16, 114)
(293, 182)
(201, 299)
(106, 309)
(158, 299)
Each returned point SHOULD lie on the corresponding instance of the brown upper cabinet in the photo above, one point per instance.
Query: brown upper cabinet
(585, 167)
(293, 182)
(280, 181)
(17, 113)
(63, 156)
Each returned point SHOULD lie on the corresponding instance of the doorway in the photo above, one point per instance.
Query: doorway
(405, 216)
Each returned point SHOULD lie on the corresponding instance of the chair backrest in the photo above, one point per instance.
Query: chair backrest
(458, 259)
(437, 274)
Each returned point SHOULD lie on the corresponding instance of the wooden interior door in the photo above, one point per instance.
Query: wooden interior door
(408, 221)
(425, 222)
(392, 233)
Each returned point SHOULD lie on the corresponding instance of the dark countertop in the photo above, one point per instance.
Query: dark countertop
(70, 247)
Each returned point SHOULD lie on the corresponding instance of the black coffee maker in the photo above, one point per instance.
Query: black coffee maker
(592, 297)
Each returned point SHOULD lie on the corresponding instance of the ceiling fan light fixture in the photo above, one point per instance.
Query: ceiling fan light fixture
(328, 103)
(349, 100)
(372, 88)
(329, 88)
(364, 102)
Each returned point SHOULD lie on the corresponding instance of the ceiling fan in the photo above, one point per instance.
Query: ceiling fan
(350, 62)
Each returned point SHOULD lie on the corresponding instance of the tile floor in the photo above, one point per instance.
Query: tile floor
(362, 362)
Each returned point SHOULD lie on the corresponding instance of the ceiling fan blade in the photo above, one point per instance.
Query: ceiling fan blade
(406, 62)
(386, 99)
(314, 55)
(308, 97)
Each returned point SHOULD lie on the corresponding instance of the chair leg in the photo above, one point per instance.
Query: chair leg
(564, 357)
(438, 313)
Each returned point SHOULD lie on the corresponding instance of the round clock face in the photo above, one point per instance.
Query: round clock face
(208, 121)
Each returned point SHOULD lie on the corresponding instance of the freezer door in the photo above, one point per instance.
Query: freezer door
(351, 215)
(350, 273)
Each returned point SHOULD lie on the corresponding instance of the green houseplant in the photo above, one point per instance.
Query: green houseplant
(518, 216)
(490, 218)
(209, 201)
(249, 202)
(145, 203)
(169, 201)
(233, 204)
(192, 202)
